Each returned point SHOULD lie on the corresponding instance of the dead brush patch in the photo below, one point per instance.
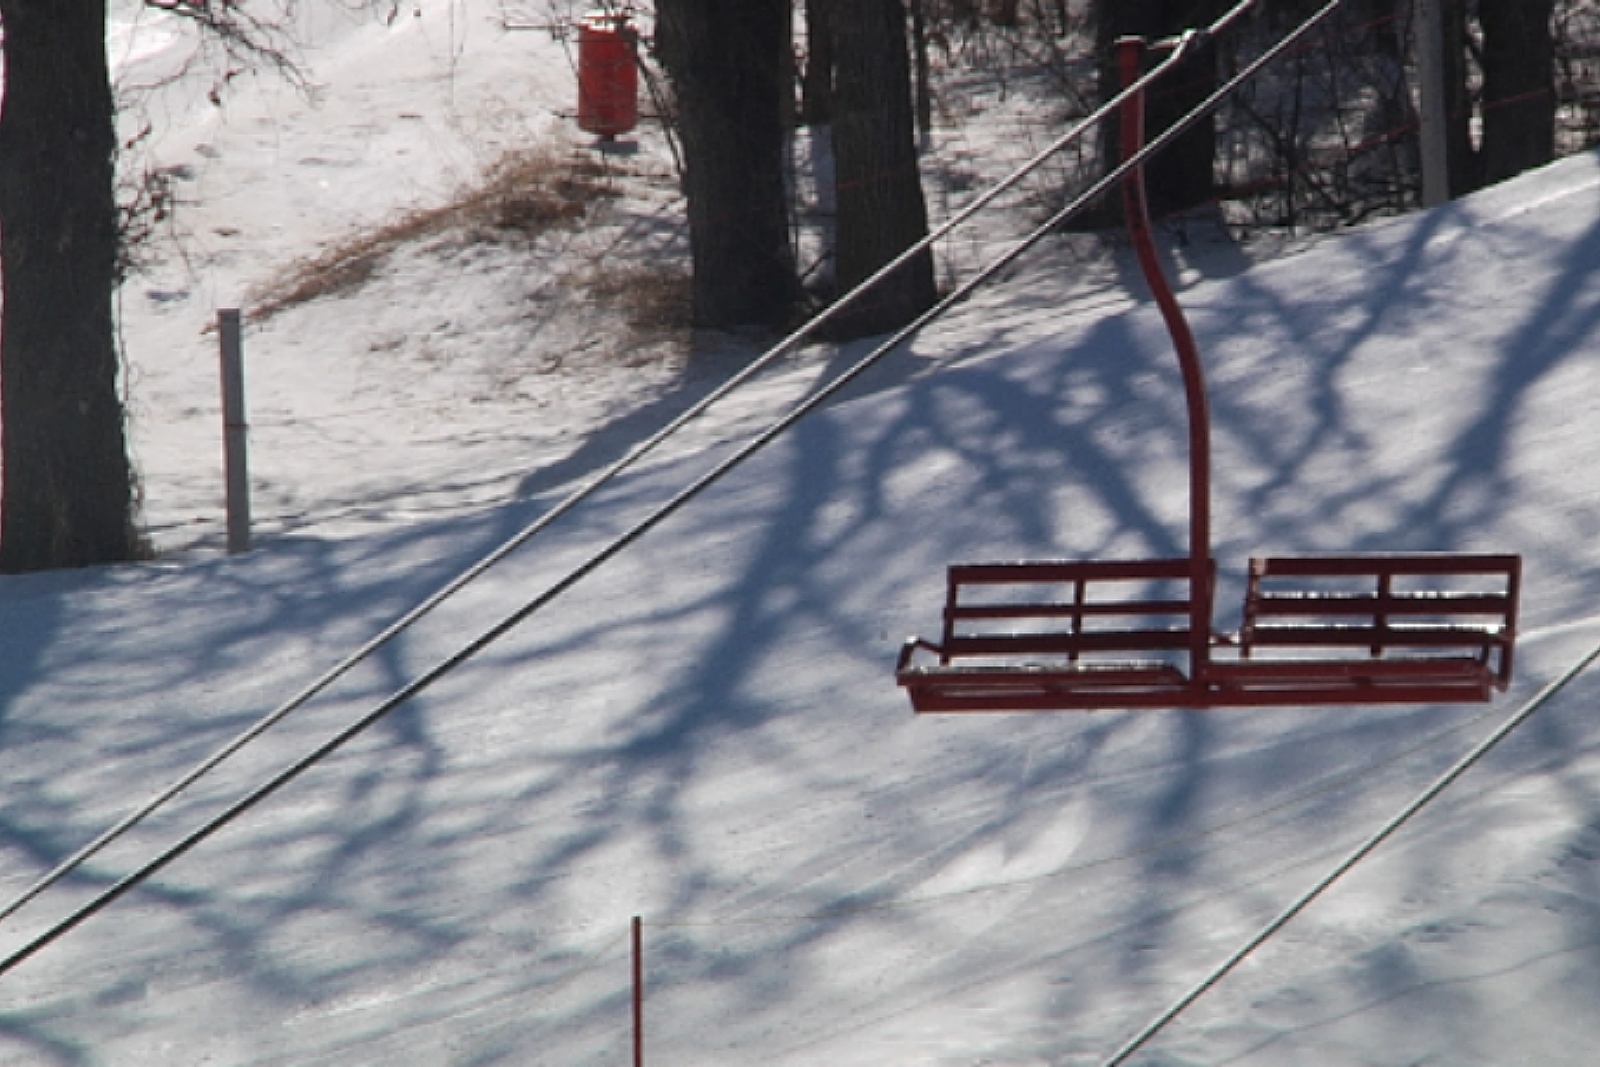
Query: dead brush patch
(519, 197)
(651, 298)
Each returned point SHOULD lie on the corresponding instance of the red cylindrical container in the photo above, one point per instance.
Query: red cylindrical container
(608, 80)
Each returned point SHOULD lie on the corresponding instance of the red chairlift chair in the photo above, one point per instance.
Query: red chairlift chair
(1107, 634)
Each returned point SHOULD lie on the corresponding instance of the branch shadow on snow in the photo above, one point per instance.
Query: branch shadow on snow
(257, 628)
(1004, 442)
(998, 464)
(706, 732)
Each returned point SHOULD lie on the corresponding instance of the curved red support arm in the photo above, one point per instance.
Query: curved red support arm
(1130, 52)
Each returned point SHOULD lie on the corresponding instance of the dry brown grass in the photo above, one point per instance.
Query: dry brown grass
(650, 298)
(520, 196)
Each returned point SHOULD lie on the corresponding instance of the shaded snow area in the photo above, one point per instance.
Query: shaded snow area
(705, 732)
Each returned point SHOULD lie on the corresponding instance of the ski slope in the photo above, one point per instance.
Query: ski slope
(706, 733)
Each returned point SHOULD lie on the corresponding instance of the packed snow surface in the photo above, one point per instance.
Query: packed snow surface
(705, 732)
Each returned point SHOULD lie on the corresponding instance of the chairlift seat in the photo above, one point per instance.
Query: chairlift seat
(1055, 634)
(1378, 627)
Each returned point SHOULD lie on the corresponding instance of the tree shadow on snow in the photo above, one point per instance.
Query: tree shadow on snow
(707, 731)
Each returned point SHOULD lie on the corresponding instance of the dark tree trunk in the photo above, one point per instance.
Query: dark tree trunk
(921, 67)
(1182, 176)
(1005, 13)
(1461, 159)
(816, 80)
(68, 492)
(1519, 106)
(878, 184)
(726, 62)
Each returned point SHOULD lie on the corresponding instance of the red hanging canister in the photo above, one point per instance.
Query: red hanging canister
(608, 79)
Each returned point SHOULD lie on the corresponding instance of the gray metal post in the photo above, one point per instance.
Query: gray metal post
(235, 430)
(1431, 106)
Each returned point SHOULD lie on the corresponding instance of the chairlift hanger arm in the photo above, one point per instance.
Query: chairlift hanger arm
(1130, 56)
(1049, 644)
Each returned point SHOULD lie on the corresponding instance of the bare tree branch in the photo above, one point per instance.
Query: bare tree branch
(247, 39)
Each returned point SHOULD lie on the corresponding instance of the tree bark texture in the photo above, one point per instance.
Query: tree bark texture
(1462, 157)
(816, 80)
(68, 493)
(1519, 105)
(878, 183)
(726, 59)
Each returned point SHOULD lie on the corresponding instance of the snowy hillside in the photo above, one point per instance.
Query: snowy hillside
(706, 732)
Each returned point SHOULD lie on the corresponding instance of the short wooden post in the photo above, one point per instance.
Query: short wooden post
(235, 430)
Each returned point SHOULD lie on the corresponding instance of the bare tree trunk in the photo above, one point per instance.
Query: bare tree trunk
(1005, 13)
(878, 183)
(68, 495)
(816, 80)
(725, 58)
(1462, 157)
(1519, 105)
(922, 74)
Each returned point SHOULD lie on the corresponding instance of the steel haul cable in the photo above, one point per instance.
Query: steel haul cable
(1365, 849)
(1179, 50)
(582, 493)
(527, 533)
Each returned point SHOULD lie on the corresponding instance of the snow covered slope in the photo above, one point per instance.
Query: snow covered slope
(706, 732)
